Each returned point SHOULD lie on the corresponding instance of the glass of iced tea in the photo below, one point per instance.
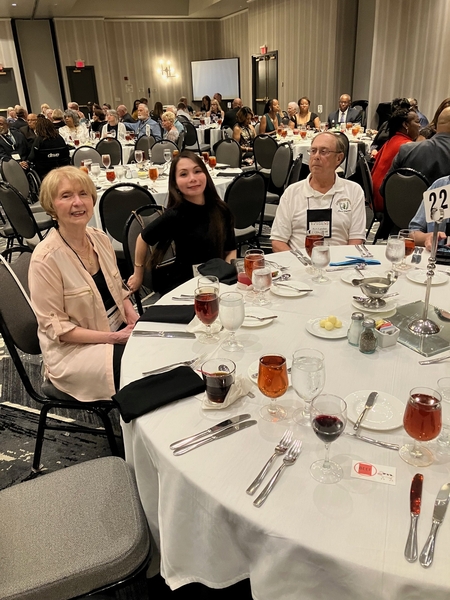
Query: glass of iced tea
(303, 132)
(349, 125)
(153, 173)
(212, 162)
(106, 160)
(273, 383)
(310, 239)
(253, 259)
(205, 156)
(206, 305)
(408, 236)
(283, 132)
(110, 175)
(422, 420)
(355, 130)
(76, 142)
(279, 131)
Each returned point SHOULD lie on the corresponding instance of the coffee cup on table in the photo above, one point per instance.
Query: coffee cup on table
(218, 374)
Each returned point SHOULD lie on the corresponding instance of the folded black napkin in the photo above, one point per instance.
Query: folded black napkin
(168, 314)
(225, 272)
(146, 394)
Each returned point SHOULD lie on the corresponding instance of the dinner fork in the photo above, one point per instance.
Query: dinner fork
(280, 448)
(181, 363)
(261, 318)
(288, 461)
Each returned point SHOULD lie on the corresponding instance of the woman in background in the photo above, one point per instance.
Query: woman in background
(113, 124)
(73, 129)
(134, 114)
(305, 116)
(206, 104)
(271, 119)
(47, 138)
(215, 113)
(243, 132)
(170, 131)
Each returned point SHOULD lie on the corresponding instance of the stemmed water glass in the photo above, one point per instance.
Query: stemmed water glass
(308, 380)
(273, 383)
(443, 440)
(95, 172)
(395, 250)
(167, 157)
(261, 280)
(422, 420)
(232, 315)
(106, 160)
(408, 236)
(320, 258)
(139, 157)
(328, 420)
(206, 305)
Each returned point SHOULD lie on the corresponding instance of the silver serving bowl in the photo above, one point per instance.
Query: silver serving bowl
(374, 288)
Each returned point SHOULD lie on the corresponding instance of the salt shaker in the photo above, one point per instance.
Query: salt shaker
(355, 329)
(368, 341)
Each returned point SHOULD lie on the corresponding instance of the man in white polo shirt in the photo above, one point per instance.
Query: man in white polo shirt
(321, 204)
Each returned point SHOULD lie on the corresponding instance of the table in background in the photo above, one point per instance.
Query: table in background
(127, 151)
(215, 135)
(308, 541)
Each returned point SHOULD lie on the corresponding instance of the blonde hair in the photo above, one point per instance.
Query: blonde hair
(168, 116)
(52, 181)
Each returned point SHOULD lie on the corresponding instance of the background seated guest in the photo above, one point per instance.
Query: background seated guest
(382, 135)
(29, 130)
(144, 119)
(83, 312)
(206, 104)
(134, 113)
(423, 231)
(98, 120)
(196, 220)
(215, 112)
(184, 101)
(178, 124)
(182, 110)
(49, 113)
(47, 138)
(11, 115)
(345, 113)
(13, 146)
(271, 119)
(21, 120)
(324, 202)
(157, 112)
(429, 130)
(422, 118)
(124, 115)
(243, 132)
(73, 129)
(44, 108)
(403, 128)
(76, 108)
(218, 96)
(229, 119)
(58, 118)
(305, 116)
(113, 124)
(170, 131)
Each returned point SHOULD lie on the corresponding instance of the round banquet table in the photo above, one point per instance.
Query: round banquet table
(215, 134)
(308, 541)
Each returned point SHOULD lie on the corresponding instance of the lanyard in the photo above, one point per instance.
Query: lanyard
(12, 144)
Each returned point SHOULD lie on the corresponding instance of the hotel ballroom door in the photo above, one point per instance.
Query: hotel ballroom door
(264, 79)
(82, 85)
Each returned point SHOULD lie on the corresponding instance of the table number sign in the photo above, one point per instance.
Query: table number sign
(437, 204)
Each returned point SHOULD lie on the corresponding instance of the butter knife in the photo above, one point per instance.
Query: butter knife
(164, 334)
(373, 441)
(215, 436)
(293, 287)
(369, 403)
(415, 498)
(211, 430)
(440, 508)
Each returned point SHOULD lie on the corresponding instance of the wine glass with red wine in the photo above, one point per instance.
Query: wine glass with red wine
(206, 305)
(422, 420)
(328, 420)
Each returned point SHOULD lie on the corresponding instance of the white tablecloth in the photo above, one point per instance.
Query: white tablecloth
(215, 135)
(309, 541)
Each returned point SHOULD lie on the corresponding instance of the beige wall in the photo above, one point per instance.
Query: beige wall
(8, 58)
(234, 42)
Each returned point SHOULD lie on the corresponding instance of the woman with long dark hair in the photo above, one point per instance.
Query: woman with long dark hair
(429, 130)
(271, 119)
(47, 138)
(197, 221)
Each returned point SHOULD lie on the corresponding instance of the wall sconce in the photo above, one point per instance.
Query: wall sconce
(166, 69)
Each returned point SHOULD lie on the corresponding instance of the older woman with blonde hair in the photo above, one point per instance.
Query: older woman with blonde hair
(83, 311)
(171, 133)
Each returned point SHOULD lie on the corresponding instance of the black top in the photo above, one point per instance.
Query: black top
(13, 143)
(229, 119)
(113, 128)
(102, 286)
(127, 118)
(47, 154)
(309, 123)
(97, 125)
(188, 227)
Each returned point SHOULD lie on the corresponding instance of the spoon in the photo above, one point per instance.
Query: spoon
(283, 277)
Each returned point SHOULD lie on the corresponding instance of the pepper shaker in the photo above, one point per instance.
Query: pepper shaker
(368, 341)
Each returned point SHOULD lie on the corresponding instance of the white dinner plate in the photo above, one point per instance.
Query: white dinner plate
(385, 414)
(351, 274)
(289, 292)
(258, 311)
(313, 326)
(253, 371)
(420, 276)
(391, 305)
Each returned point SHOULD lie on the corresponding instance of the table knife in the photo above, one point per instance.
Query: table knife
(373, 441)
(415, 498)
(215, 436)
(369, 403)
(440, 507)
(211, 430)
(293, 287)
(164, 334)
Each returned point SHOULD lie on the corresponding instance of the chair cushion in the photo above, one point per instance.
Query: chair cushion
(243, 235)
(72, 531)
(272, 198)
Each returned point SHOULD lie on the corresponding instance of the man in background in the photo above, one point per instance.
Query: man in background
(28, 131)
(124, 115)
(13, 146)
(76, 108)
(21, 120)
(229, 119)
(144, 119)
(345, 113)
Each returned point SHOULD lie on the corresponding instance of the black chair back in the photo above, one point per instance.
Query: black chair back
(12, 173)
(158, 150)
(228, 152)
(180, 141)
(403, 193)
(83, 153)
(116, 206)
(294, 173)
(281, 165)
(190, 137)
(113, 148)
(264, 148)
(47, 160)
(345, 141)
(362, 106)
(246, 196)
(19, 215)
(144, 143)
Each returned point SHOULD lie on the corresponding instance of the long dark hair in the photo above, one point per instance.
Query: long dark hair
(217, 209)
(45, 128)
(157, 110)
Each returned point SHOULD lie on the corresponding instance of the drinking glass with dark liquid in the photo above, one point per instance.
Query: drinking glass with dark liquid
(110, 175)
(153, 173)
(422, 420)
(205, 156)
(310, 239)
(408, 236)
(212, 162)
(283, 133)
(273, 383)
(106, 160)
(206, 305)
(76, 142)
(218, 374)
(253, 259)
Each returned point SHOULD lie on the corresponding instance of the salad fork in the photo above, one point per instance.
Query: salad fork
(280, 448)
(368, 253)
(288, 461)
(186, 363)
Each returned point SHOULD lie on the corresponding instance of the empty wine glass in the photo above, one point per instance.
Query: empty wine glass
(209, 280)
(206, 305)
(308, 380)
(273, 383)
(167, 157)
(395, 250)
(443, 440)
(320, 258)
(119, 171)
(232, 315)
(328, 420)
(422, 420)
(261, 280)
(139, 157)
(408, 236)
(106, 160)
(95, 171)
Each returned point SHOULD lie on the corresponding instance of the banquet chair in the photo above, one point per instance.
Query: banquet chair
(403, 193)
(18, 328)
(144, 143)
(138, 220)
(294, 173)
(264, 148)
(26, 184)
(180, 141)
(344, 163)
(191, 140)
(228, 152)
(227, 132)
(113, 148)
(27, 226)
(246, 197)
(85, 152)
(281, 166)
(183, 119)
(45, 160)
(158, 150)
(362, 105)
(366, 178)
(116, 205)
(257, 128)
(76, 532)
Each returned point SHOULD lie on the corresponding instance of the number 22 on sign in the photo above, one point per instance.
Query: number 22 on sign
(437, 204)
